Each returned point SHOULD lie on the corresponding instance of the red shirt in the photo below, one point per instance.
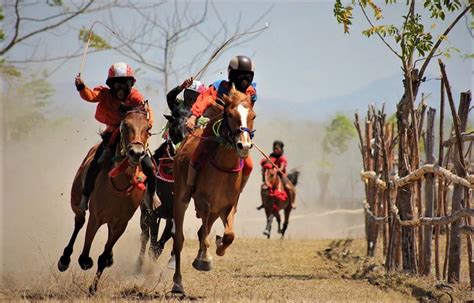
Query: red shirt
(107, 111)
(281, 162)
(209, 96)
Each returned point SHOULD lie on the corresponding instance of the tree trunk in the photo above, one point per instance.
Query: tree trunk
(404, 194)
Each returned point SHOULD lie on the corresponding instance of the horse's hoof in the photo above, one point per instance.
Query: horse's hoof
(220, 252)
(63, 263)
(177, 289)
(172, 263)
(85, 262)
(202, 265)
(267, 233)
(105, 261)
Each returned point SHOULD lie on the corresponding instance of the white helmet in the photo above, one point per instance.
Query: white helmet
(197, 86)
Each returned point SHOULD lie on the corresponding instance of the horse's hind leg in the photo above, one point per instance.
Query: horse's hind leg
(106, 258)
(144, 236)
(84, 260)
(229, 236)
(65, 259)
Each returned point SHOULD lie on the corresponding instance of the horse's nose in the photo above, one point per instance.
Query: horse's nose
(244, 145)
(136, 152)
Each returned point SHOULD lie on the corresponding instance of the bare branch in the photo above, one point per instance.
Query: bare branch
(441, 38)
(15, 40)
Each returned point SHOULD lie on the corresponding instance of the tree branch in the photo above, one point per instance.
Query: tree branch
(440, 39)
(378, 34)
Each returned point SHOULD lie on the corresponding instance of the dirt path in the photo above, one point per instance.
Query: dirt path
(253, 270)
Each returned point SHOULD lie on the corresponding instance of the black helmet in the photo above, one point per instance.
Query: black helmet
(279, 143)
(240, 65)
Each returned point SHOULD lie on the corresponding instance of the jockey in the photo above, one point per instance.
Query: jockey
(182, 107)
(112, 102)
(279, 159)
(240, 74)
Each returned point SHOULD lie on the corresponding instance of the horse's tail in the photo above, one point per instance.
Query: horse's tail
(293, 176)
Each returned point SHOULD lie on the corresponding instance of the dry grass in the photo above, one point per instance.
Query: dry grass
(253, 270)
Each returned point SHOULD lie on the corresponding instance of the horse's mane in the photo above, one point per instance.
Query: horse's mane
(236, 96)
(293, 176)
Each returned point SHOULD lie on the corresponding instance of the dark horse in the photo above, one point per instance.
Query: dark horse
(121, 192)
(276, 198)
(150, 220)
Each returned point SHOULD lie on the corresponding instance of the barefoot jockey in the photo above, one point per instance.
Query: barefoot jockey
(279, 159)
(240, 74)
(112, 102)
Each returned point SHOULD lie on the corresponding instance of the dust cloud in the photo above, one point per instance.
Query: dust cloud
(37, 173)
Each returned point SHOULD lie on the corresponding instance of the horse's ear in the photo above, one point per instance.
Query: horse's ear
(170, 118)
(226, 100)
(146, 107)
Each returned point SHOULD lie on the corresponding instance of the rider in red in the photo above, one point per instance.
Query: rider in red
(240, 74)
(112, 102)
(279, 159)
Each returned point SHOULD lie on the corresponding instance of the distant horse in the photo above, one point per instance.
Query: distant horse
(275, 198)
(219, 181)
(117, 196)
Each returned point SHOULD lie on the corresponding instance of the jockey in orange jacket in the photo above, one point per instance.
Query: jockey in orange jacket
(240, 74)
(112, 102)
(279, 160)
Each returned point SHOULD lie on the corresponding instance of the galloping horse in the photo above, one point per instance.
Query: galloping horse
(276, 198)
(218, 185)
(118, 195)
(150, 219)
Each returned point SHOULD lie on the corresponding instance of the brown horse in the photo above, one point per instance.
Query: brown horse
(219, 182)
(275, 198)
(119, 195)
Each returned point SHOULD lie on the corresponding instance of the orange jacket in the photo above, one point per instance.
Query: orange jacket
(109, 108)
(209, 96)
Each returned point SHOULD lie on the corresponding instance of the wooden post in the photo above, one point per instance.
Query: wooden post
(459, 126)
(439, 205)
(429, 194)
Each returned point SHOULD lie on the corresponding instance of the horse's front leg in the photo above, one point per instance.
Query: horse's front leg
(203, 260)
(85, 260)
(144, 236)
(228, 238)
(179, 209)
(106, 258)
(287, 219)
(65, 259)
(278, 218)
(155, 249)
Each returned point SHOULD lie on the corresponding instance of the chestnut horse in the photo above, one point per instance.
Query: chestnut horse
(117, 196)
(219, 181)
(275, 198)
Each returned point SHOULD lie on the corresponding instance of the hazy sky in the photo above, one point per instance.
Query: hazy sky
(303, 56)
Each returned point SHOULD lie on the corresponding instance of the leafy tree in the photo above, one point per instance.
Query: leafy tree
(338, 133)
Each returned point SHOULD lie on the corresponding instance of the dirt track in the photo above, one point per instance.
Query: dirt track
(253, 270)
